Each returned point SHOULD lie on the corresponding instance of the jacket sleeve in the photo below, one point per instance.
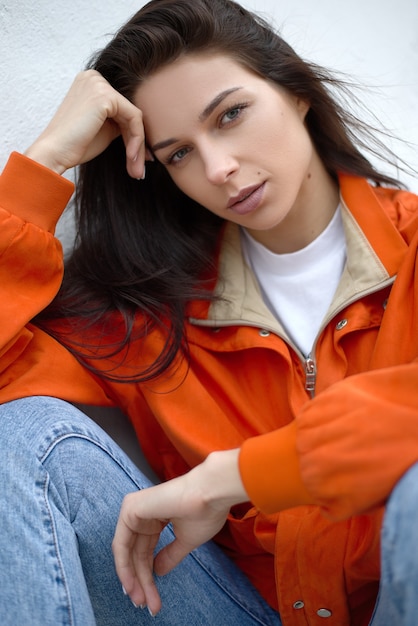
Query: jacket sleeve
(358, 438)
(270, 470)
(32, 199)
(344, 452)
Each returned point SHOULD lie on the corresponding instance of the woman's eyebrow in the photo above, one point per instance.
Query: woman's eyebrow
(163, 144)
(202, 117)
(216, 102)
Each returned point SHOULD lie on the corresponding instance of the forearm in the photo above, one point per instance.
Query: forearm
(358, 438)
(31, 201)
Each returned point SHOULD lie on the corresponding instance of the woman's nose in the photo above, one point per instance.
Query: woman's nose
(219, 166)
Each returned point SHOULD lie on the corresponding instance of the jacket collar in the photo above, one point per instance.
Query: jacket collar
(375, 250)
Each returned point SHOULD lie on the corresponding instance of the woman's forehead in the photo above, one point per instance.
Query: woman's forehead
(192, 81)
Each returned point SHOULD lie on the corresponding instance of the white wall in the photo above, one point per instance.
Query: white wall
(43, 44)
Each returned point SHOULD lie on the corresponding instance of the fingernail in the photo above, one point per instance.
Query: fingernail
(125, 593)
(143, 175)
(137, 606)
(150, 612)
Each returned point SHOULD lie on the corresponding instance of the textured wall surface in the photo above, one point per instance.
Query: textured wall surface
(43, 44)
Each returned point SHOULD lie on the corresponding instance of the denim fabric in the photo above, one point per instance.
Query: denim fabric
(62, 481)
(397, 601)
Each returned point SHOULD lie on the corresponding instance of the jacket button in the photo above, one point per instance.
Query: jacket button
(324, 613)
(341, 324)
(264, 333)
(299, 604)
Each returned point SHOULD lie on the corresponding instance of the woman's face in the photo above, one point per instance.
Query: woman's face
(238, 145)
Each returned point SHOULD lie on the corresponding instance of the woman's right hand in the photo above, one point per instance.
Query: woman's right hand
(90, 117)
(197, 505)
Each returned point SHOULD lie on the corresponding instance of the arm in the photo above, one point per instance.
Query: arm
(30, 257)
(358, 438)
(344, 452)
(346, 449)
(33, 196)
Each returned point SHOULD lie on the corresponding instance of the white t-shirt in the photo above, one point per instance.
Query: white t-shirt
(298, 287)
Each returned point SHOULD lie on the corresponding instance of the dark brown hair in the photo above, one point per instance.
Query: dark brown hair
(144, 249)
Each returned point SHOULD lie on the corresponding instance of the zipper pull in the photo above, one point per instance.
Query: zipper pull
(310, 373)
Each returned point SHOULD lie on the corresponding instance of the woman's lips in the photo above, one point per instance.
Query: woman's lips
(247, 201)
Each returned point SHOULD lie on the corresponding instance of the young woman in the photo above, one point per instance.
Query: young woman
(243, 287)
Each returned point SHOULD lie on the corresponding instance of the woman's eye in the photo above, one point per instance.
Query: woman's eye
(232, 114)
(178, 155)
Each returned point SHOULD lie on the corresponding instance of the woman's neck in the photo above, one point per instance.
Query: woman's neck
(312, 212)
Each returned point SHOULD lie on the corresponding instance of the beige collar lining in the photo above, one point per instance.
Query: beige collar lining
(240, 297)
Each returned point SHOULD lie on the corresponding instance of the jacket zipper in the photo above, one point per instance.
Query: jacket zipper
(309, 361)
(310, 375)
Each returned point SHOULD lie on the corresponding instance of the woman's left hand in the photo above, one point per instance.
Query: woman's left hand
(196, 504)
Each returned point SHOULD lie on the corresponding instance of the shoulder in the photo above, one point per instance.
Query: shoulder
(402, 208)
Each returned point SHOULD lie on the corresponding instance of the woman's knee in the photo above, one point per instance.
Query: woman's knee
(54, 433)
(35, 418)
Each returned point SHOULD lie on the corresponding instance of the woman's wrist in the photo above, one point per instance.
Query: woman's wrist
(42, 154)
(220, 479)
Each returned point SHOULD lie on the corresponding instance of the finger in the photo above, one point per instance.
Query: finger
(148, 594)
(142, 556)
(129, 119)
(135, 164)
(133, 547)
(170, 556)
(122, 546)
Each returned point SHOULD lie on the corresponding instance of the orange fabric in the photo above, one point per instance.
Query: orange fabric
(334, 458)
(37, 196)
(277, 464)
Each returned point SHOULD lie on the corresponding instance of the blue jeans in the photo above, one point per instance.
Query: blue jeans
(397, 603)
(62, 481)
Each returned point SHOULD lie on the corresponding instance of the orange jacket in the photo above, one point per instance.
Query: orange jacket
(318, 465)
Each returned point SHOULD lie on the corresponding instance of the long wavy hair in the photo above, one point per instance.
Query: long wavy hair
(143, 249)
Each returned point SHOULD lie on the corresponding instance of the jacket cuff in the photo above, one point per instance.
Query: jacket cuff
(32, 192)
(269, 468)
